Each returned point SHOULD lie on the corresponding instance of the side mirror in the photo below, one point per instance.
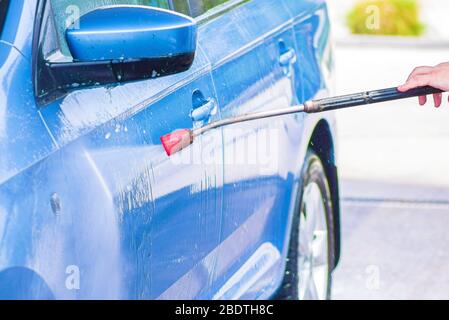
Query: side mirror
(133, 33)
(116, 44)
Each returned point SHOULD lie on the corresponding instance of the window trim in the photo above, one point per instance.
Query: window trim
(39, 15)
(212, 13)
(219, 10)
(4, 7)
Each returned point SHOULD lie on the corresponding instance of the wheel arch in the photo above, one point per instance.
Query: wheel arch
(21, 283)
(322, 143)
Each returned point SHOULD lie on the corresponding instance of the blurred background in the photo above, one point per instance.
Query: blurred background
(393, 157)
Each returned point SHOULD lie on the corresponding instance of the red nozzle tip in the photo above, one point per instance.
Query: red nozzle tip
(176, 141)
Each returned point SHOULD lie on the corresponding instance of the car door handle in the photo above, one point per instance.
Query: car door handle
(287, 58)
(204, 112)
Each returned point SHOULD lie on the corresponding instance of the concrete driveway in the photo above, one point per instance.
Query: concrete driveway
(394, 251)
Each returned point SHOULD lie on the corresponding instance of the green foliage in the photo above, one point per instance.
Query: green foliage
(209, 4)
(385, 17)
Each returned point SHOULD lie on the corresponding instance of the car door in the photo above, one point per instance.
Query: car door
(136, 223)
(251, 46)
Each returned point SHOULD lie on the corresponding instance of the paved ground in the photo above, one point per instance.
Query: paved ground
(395, 241)
(394, 251)
(394, 163)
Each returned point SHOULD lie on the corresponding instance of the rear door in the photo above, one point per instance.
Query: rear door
(252, 48)
(137, 223)
(314, 46)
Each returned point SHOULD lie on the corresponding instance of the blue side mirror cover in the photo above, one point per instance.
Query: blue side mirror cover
(130, 33)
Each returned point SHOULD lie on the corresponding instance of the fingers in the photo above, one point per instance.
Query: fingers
(416, 81)
(437, 99)
(419, 70)
(422, 100)
(437, 77)
(417, 78)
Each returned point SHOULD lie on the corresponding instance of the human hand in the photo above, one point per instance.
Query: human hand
(437, 77)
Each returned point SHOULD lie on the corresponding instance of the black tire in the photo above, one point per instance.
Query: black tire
(313, 172)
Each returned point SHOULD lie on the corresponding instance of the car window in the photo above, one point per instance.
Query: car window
(198, 7)
(3, 12)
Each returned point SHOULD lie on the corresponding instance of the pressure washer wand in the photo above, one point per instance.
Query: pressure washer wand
(180, 139)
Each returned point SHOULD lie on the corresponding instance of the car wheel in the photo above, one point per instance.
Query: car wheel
(311, 251)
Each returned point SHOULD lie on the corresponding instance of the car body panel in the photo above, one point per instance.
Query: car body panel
(20, 124)
(87, 187)
(257, 184)
(19, 26)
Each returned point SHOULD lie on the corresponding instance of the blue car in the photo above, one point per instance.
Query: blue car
(91, 206)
